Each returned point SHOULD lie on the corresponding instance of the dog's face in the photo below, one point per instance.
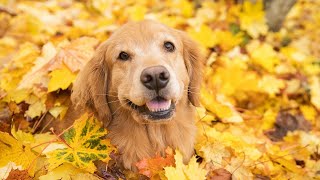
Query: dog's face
(148, 74)
(145, 68)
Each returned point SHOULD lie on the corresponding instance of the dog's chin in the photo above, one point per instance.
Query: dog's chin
(157, 110)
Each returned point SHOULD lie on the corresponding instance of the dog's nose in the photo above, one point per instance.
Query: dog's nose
(155, 77)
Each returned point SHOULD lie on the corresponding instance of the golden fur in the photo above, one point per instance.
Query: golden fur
(105, 84)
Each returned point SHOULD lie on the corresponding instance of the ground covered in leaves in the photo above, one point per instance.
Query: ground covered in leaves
(260, 95)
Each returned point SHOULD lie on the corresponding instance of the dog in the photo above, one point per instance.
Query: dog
(143, 83)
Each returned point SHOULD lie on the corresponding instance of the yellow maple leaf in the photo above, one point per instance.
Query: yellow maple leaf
(315, 91)
(37, 106)
(238, 170)
(39, 70)
(230, 84)
(214, 152)
(204, 35)
(28, 27)
(84, 145)
(12, 150)
(19, 65)
(219, 106)
(252, 19)
(309, 113)
(44, 140)
(204, 116)
(74, 55)
(263, 55)
(181, 7)
(269, 118)
(58, 110)
(60, 79)
(181, 171)
(16, 95)
(65, 171)
(21, 136)
(136, 12)
(271, 85)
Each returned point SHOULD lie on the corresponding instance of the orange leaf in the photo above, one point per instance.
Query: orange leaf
(153, 166)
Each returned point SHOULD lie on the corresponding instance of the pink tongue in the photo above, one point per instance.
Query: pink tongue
(155, 105)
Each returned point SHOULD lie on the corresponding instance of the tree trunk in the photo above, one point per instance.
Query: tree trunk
(276, 12)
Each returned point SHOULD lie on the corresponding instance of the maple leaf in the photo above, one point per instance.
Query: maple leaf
(315, 92)
(204, 35)
(137, 12)
(181, 171)
(18, 174)
(251, 75)
(84, 145)
(73, 54)
(37, 105)
(4, 171)
(65, 171)
(153, 166)
(214, 152)
(182, 7)
(253, 18)
(220, 106)
(263, 54)
(21, 136)
(238, 170)
(271, 85)
(12, 150)
(60, 79)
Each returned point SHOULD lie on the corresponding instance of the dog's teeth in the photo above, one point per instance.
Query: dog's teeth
(156, 106)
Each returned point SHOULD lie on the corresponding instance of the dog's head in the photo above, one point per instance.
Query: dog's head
(145, 68)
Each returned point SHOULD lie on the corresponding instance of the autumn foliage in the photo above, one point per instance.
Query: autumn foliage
(260, 94)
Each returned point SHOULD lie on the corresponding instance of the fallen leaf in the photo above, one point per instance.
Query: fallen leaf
(5, 170)
(286, 122)
(219, 174)
(18, 174)
(60, 79)
(181, 171)
(84, 145)
(11, 150)
(65, 171)
(153, 166)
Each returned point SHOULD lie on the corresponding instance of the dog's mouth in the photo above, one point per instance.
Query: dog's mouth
(158, 108)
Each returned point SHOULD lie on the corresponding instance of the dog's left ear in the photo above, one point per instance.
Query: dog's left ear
(194, 61)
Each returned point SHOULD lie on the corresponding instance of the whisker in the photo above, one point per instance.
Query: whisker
(191, 92)
(105, 95)
(118, 108)
(109, 102)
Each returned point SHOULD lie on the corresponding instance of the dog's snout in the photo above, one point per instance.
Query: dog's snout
(155, 78)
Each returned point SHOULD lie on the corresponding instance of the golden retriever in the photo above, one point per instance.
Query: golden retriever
(143, 83)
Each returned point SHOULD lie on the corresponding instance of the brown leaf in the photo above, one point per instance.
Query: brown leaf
(219, 174)
(19, 175)
(287, 122)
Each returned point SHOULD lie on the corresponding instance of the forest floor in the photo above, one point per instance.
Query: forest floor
(260, 113)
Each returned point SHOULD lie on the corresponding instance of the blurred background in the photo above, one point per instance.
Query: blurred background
(261, 90)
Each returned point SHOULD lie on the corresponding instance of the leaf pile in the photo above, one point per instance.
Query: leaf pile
(260, 96)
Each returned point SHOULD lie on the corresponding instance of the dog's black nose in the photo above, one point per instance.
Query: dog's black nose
(155, 77)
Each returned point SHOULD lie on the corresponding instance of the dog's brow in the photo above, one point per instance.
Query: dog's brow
(152, 47)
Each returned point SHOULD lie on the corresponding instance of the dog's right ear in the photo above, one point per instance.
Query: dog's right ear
(90, 87)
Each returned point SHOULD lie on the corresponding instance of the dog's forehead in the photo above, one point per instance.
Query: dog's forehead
(142, 36)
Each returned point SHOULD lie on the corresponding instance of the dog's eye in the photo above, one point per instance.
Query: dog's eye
(123, 56)
(169, 46)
